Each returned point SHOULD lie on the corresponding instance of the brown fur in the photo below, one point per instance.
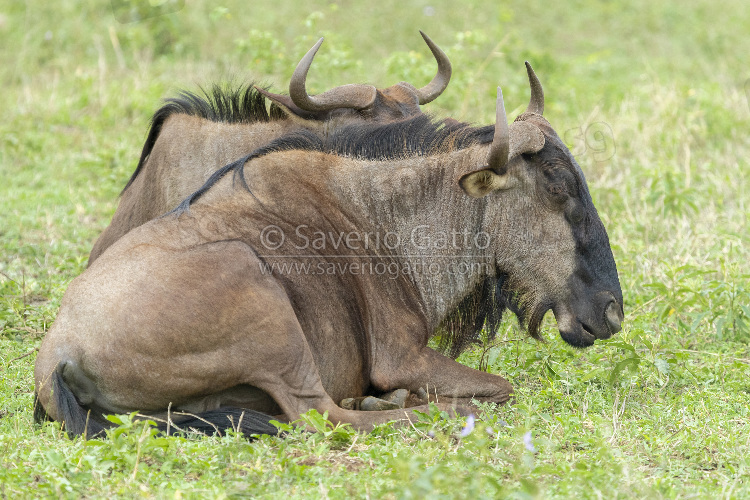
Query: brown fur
(200, 311)
(179, 313)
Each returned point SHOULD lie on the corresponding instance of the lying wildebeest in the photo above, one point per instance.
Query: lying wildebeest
(192, 136)
(317, 268)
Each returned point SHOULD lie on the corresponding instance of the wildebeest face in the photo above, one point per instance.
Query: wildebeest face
(588, 304)
(556, 252)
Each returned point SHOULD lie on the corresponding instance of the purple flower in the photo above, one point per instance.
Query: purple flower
(528, 443)
(468, 427)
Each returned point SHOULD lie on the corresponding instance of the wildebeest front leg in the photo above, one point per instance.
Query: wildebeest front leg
(443, 377)
(297, 388)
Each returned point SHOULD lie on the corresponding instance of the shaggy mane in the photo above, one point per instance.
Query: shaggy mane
(421, 135)
(220, 103)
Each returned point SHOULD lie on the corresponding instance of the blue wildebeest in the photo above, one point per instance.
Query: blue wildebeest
(226, 307)
(194, 135)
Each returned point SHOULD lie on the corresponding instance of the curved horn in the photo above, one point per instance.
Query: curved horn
(346, 96)
(497, 158)
(536, 104)
(438, 84)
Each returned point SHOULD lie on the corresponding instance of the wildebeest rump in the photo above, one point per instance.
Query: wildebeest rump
(196, 311)
(194, 135)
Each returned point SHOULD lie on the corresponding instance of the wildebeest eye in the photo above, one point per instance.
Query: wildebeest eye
(558, 191)
(559, 183)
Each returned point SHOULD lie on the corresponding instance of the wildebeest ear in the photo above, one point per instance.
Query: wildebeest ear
(482, 182)
(525, 137)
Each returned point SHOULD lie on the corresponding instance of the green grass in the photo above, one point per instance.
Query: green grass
(653, 98)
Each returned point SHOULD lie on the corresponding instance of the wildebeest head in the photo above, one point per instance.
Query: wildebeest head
(560, 258)
(393, 103)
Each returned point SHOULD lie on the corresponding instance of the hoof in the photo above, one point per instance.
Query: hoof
(394, 400)
(351, 403)
(397, 397)
(368, 403)
(371, 403)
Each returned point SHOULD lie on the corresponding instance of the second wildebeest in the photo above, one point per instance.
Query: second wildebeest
(194, 135)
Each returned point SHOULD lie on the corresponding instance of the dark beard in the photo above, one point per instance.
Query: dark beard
(481, 311)
(528, 306)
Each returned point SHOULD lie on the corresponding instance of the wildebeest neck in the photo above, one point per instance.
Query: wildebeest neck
(408, 213)
(442, 241)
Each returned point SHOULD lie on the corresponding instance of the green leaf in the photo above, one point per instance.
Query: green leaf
(647, 343)
(281, 426)
(662, 366)
(630, 363)
(622, 345)
(592, 374)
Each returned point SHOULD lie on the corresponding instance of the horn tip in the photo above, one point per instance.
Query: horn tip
(427, 39)
(261, 90)
(536, 104)
(314, 49)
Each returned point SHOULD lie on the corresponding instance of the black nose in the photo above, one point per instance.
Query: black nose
(613, 317)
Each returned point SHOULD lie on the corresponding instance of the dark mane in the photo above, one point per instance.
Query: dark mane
(421, 135)
(220, 103)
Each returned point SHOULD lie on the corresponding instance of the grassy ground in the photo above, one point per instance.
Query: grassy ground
(651, 96)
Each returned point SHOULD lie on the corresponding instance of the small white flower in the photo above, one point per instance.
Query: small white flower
(468, 427)
(527, 442)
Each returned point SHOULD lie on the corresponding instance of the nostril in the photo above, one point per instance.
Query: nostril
(613, 316)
